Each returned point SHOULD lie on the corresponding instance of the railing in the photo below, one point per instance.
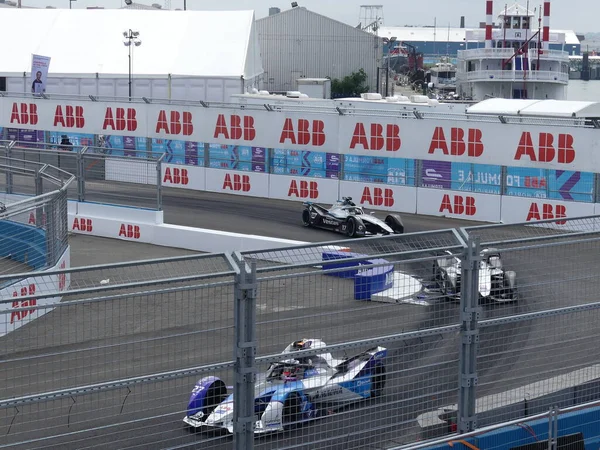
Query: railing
(505, 53)
(509, 75)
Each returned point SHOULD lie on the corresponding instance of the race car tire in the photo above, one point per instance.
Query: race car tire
(291, 410)
(378, 380)
(306, 218)
(395, 223)
(351, 227)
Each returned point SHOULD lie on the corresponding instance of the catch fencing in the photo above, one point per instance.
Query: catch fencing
(113, 365)
(33, 224)
(103, 174)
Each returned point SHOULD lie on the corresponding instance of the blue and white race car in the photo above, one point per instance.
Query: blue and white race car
(293, 390)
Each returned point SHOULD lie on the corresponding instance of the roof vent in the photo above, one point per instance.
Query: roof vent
(391, 99)
(419, 99)
(293, 94)
(263, 92)
(371, 96)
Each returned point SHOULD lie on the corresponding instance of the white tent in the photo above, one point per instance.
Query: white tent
(192, 55)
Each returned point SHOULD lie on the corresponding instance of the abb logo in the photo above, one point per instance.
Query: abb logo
(473, 145)
(303, 189)
(24, 114)
(564, 153)
(71, 117)
(32, 221)
(379, 197)
(378, 138)
(237, 128)
(548, 212)
(235, 182)
(24, 292)
(176, 176)
(62, 277)
(177, 123)
(120, 119)
(458, 205)
(305, 132)
(82, 224)
(129, 231)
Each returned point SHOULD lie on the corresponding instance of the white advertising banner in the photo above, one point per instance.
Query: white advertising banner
(522, 209)
(39, 73)
(237, 182)
(24, 307)
(377, 135)
(318, 190)
(460, 205)
(184, 177)
(381, 196)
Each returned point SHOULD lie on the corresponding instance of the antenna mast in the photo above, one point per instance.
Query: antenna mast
(371, 18)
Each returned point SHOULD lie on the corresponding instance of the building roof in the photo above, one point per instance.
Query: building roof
(445, 34)
(158, 7)
(84, 42)
(546, 108)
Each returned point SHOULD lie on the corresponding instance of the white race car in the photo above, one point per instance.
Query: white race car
(494, 282)
(293, 390)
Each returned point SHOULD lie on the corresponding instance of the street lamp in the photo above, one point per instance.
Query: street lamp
(131, 40)
(390, 43)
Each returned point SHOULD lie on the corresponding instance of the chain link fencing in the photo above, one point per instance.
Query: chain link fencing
(369, 343)
(104, 174)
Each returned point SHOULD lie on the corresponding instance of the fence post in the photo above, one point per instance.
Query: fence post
(469, 336)
(159, 182)
(39, 190)
(81, 175)
(244, 355)
(9, 175)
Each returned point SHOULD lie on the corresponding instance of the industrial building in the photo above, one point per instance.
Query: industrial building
(184, 55)
(298, 43)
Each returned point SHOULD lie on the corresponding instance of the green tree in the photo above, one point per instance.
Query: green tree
(350, 86)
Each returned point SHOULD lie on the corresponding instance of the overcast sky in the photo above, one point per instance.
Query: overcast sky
(579, 15)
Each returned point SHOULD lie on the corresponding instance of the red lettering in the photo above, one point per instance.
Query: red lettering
(548, 212)
(32, 220)
(287, 132)
(129, 231)
(24, 113)
(72, 116)
(120, 120)
(161, 123)
(459, 205)
(62, 277)
(546, 151)
(235, 130)
(82, 224)
(473, 147)
(379, 137)
(236, 182)
(379, 197)
(25, 291)
(303, 189)
(176, 175)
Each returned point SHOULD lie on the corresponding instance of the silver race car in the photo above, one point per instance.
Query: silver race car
(347, 218)
(292, 391)
(494, 282)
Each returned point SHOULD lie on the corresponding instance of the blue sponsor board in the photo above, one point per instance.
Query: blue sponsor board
(306, 163)
(179, 152)
(482, 178)
(76, 139)
(370, 169)
(25, 138)
(125, 146)
(236, 157)
(526, 182)
(571, 186)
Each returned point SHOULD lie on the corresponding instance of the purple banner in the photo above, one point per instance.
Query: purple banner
(333, 163)
(129, 146)
(258, 167)
(436, 174)
(191, 153)
(24, 136)
(259, 156)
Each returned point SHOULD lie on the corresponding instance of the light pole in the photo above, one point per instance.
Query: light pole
(71, 3)
(131, 37)
(390, 44)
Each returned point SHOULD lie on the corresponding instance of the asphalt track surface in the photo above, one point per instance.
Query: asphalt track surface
(422, 374)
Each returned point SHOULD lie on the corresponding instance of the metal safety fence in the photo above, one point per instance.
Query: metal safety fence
(33, 224)
(369, 343)
(130, 178)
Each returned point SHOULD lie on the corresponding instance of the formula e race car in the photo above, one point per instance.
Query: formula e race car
(292, 391)
(494, 282)
(347, 218)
